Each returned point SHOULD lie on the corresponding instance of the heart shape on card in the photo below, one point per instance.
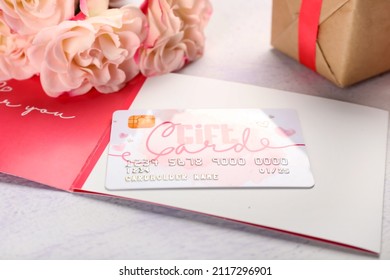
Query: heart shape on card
(285, 132)
(119, 147)
(123, 135)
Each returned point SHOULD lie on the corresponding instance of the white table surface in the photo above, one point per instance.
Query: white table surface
(37, 222)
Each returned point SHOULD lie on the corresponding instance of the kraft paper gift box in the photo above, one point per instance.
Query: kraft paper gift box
(346, 41)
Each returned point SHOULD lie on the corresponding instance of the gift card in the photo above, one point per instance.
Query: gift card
(207, 148)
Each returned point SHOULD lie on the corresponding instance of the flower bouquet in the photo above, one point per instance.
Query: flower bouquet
(75, 46)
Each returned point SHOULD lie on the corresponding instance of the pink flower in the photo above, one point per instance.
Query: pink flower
(121, 3)
(195, 15)
(28, 17)
(14, 63)
(175, 36)
(93, 7)
(99, 52)
(164, 50)
(192, 12)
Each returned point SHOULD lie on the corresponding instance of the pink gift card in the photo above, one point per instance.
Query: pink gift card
(55, 141)
(203, 148)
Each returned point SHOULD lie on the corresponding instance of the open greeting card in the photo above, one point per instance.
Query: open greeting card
(295, 163)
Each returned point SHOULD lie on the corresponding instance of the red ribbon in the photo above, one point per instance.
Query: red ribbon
(309, 19)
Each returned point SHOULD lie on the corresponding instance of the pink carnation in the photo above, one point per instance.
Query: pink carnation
(176, 34)
(28, 17)
(99, 52)
(192, 12)
(195, 15)
(14, 63)
(93, 7)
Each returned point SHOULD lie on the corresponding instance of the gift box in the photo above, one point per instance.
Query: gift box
(346, 41)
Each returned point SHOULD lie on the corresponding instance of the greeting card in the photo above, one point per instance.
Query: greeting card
(63, 143)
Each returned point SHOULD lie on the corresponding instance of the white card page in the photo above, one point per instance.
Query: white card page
(347, 148)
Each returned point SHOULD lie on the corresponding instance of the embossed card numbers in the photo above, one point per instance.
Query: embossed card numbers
(207, 148)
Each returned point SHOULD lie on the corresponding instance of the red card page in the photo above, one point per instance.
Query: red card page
(56, 141)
